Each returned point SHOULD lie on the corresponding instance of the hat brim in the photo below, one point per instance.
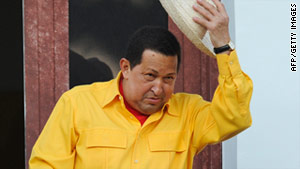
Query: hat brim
(182, 13)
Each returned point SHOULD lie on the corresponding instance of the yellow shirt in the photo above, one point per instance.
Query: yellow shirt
(90, 128)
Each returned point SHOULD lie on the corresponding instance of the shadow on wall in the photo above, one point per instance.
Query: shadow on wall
(87, 71)
(100, 29)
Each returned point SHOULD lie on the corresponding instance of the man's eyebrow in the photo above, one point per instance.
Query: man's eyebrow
(156, 72)
(171, 74)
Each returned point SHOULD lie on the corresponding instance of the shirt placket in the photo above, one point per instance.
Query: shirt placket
(140, 144)
(136, 157)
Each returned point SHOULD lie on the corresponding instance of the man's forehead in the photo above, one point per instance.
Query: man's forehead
(153, 56)
(157, 62)
(150, 52)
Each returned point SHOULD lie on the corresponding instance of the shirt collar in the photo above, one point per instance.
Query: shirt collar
(110, 93)
(171, 109)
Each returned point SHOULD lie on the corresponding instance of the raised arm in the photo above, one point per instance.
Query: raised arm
(228, 114)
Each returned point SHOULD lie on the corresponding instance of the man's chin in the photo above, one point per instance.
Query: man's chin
(150, 109)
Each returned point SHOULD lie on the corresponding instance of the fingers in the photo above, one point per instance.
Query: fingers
(206, 10)
(210, 8)
(220, 7)
(201, 21)
(215, 20)
(212, 15)
(205, 13)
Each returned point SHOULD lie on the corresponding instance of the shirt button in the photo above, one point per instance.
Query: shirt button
(120, 97)
(136, 161)
(131, 117)
(230, 63)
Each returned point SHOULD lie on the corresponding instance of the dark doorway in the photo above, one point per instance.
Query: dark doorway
(11, 87)
(99, 31)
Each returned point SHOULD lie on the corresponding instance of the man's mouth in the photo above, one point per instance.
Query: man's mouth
(153, 100)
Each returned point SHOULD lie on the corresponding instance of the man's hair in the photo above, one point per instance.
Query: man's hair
(154, 38)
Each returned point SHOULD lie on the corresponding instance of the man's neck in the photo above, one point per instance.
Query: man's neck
(141, 117)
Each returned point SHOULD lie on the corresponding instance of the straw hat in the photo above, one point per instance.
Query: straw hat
(182, 12)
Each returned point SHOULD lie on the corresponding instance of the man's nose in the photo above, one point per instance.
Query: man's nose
(157, 87)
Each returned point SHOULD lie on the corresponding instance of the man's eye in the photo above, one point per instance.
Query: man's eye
(169, 79)
(149, 76)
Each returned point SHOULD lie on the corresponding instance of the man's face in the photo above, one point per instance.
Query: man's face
(150, 84)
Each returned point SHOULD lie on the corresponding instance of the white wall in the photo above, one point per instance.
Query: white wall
(262, 35)
(229, 148)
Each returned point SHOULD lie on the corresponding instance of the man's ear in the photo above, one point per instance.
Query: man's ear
(125, 67)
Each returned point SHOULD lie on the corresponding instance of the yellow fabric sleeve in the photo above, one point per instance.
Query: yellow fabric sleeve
(228, 114)
(58, 152)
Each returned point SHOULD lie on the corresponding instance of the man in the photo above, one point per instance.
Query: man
(135, 120)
